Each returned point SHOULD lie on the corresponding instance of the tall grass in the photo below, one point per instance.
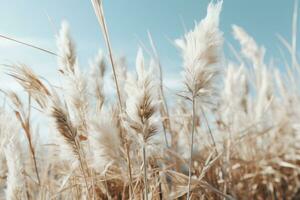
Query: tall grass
(232, 133)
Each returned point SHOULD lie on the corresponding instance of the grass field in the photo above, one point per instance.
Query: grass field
(233, 132)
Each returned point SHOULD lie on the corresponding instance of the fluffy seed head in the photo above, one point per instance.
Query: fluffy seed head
(200, 51)
(15, 176)
(141, 105)
(66, 49)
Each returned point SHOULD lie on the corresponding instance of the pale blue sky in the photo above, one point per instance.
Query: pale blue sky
(128, 23)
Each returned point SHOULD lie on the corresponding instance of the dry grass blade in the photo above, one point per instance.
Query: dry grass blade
(24, 120)
(165, 109)
(97, 4)
(28, 44)
(30, 82)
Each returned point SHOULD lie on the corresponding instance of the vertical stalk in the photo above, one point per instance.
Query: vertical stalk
(165, 135)
(98, 8)
(100, 14)
(82, 167)
(145, 171)
(167, 116)
(106, 186)
(192, 145)
(27, 129)
(84, 177)
(129, 171)
(35, 163)
(209, 130)
(163, 98)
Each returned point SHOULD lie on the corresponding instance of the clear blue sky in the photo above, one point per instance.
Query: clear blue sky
(128, 23)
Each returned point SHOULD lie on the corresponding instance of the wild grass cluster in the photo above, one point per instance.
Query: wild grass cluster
(232, 132)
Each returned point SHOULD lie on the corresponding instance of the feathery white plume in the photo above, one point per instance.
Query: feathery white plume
(66, 133)
(75, 80)
(141, 104)
(201, 51)
(235, 87)
(15, 177)
(249, 47)
(98, 67)
(262, 77)
(67, 58)
(105, 142)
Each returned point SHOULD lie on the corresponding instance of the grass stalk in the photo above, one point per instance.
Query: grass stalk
(162, 94)
(97, 4)
(82, 167)
(209, 130)
(145, 172)
(192, 146)
(100, 15)
(28, 45)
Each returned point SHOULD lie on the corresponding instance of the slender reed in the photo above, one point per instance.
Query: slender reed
(69, 134)
(145, 172)
(192, 146)
(25, 124)
(200, 51)
(97, 4)
(16, 186)
(165, 107)
(98, 8)
(28, 44)
(141, 108)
